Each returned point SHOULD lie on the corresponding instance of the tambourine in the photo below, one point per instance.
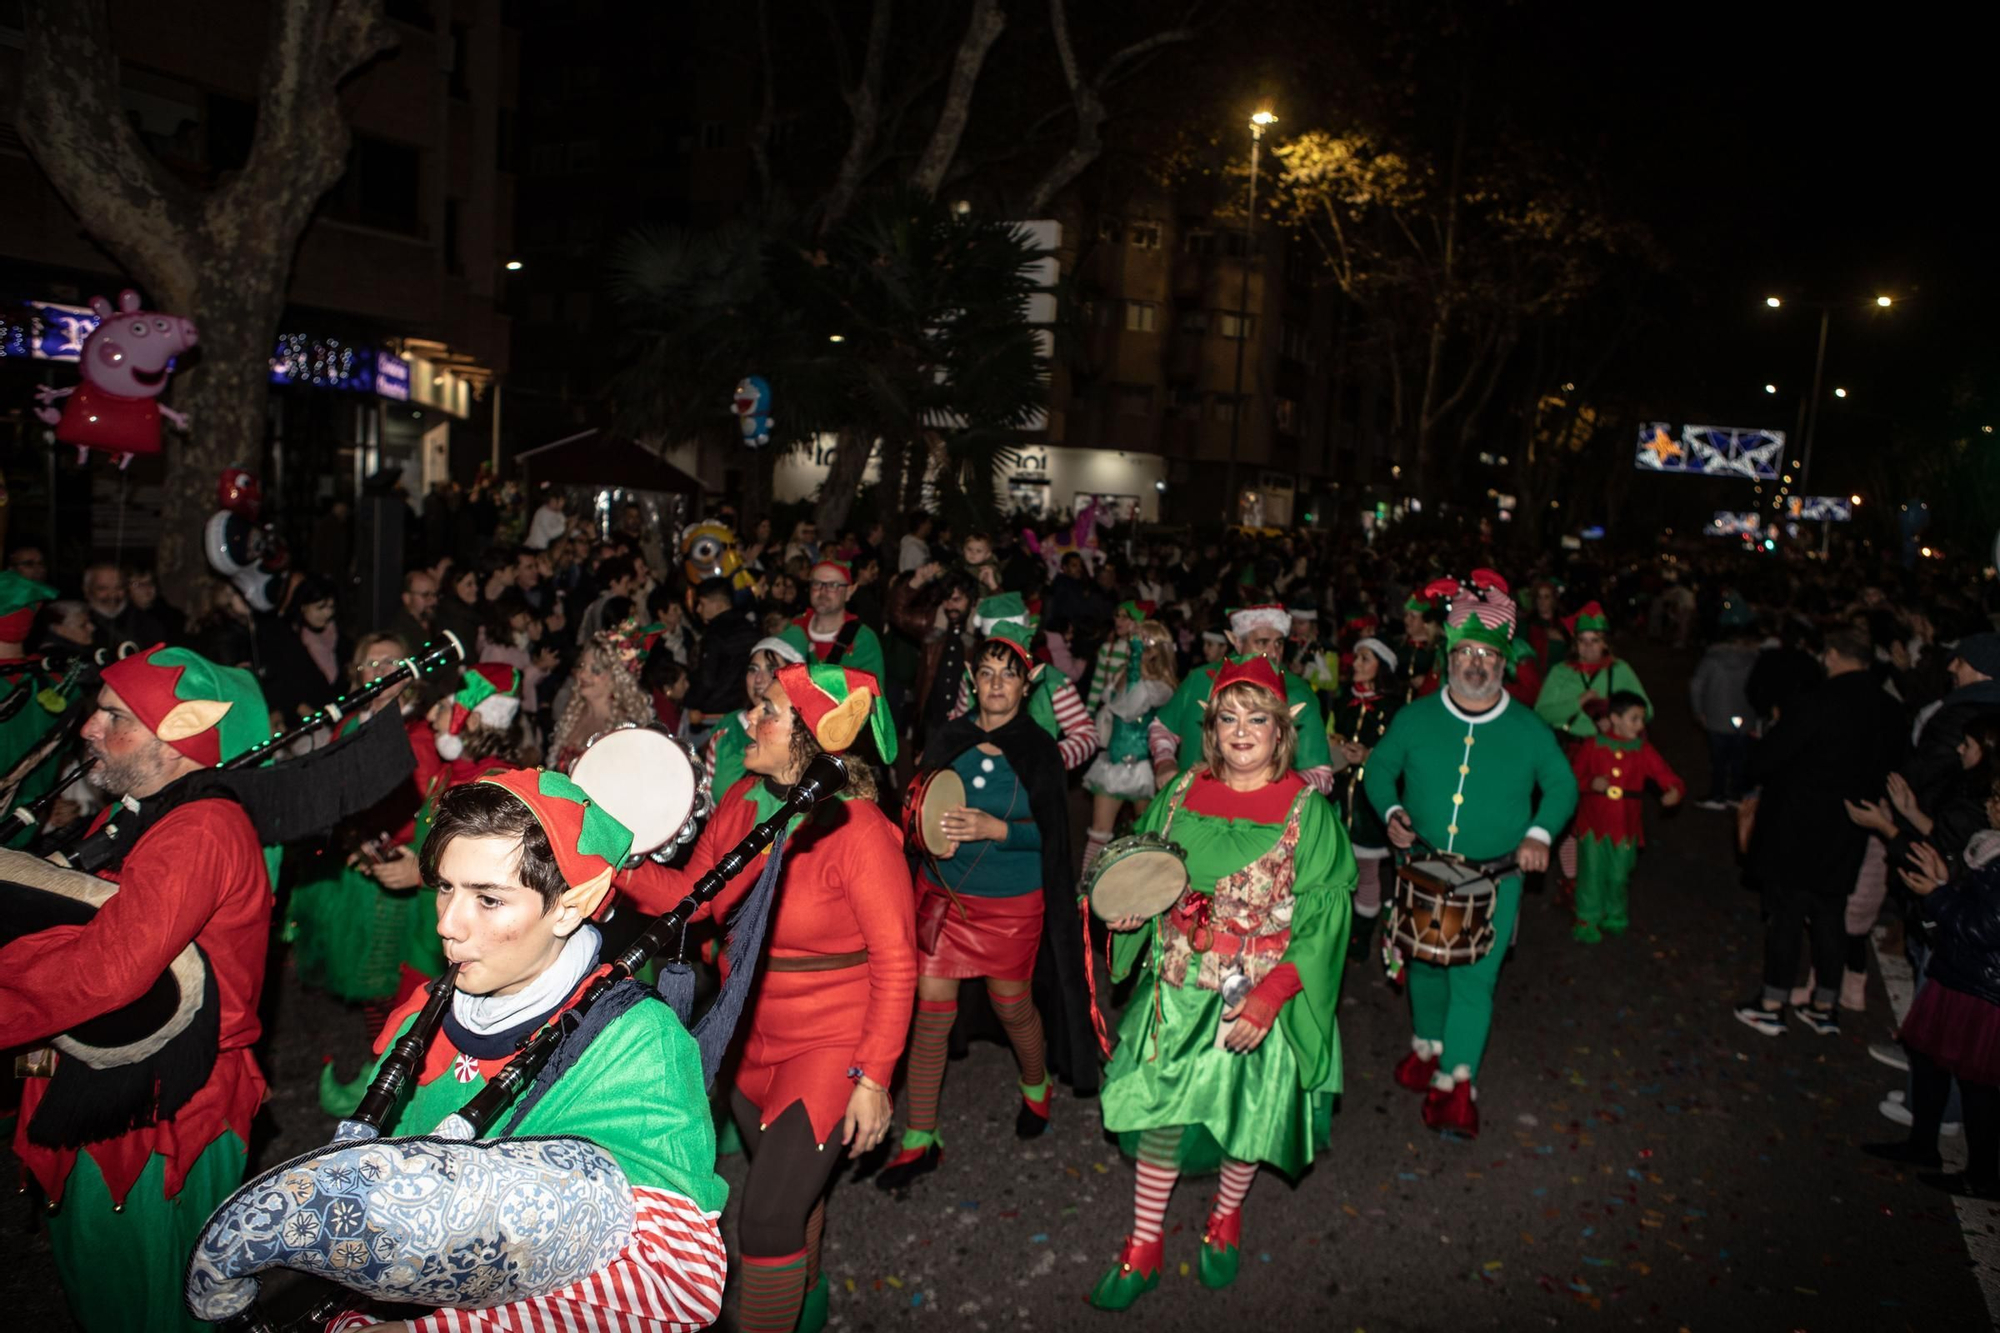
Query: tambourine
(1137, 876)
(650, 782)
(930, 797)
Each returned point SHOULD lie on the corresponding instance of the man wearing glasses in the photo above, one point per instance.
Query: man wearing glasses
(837, 635)
(1467, 776)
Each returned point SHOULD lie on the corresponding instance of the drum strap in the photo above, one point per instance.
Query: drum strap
(843, 642)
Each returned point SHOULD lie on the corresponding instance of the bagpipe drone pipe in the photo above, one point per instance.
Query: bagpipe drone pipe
(139, 1064)
(445, 1220)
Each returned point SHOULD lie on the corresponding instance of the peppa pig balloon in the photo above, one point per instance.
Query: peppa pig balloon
(125, 362)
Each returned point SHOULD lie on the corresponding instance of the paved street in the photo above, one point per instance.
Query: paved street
(1646, 1160)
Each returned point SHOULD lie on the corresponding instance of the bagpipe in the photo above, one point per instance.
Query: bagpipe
(443, 1219)
(139, 1064)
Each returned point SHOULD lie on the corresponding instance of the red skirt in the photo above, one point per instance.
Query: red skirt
(1958, 1033)
(990, 937)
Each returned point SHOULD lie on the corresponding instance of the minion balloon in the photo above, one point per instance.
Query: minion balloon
(708, 551)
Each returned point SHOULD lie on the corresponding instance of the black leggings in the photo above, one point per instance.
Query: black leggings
(1930, 1088)
(789, 1173)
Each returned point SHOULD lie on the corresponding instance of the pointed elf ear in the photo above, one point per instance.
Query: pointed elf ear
(1235, 648)
(1035, 672)
(586, 896)
(839, 725)
(190, 717)
(1296, 710)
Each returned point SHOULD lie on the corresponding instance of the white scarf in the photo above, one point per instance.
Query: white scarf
(487, 1014)
(1982, 847)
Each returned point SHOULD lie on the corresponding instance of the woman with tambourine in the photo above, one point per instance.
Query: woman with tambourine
(1255, 942)
(818, 1050)
(998, 856)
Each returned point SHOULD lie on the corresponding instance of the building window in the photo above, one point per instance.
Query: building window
(1194, 322)
(1183, 402)
(1109, 230)
(1141, 317)
(381, 188)
(460, 84)
(1297, 345)
(454, 257)
(1144, 235)
(1222, 407)
(1133, 400)
(713, 134)
(1285, 414)
(1197, 241)
(1232, 325)
(1234, 244)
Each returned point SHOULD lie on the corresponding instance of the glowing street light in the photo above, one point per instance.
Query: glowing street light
(1884, 301)
(1258, 122)
(513, 266)
(1773, 302)
(1840, 393)
(1263, 118)
(1854, 499)
(1770, 388)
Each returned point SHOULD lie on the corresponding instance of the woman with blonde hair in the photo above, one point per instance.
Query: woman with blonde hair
(604, 693)
(1256, 942)
(1127, 692)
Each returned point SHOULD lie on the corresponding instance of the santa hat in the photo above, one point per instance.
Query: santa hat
(1244, 619)
(1000, 607)
(1379, 648)
(492, 691)
(1214, 636)
(827, 570)
(1586, 619)
(836, 702)
(1481, 611)
(588, 843)
(19, 600)
(209, 713)
(784, 646)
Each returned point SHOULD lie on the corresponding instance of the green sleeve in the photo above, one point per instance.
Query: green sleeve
(1182, 714)
(1127, 947)
(1023, 835)
(866, 655)
(341, 1099)
(1625, 678)
(1322, 907)
(1313, 751)
(1558, 701)
(1557, 781)
(1385, 763)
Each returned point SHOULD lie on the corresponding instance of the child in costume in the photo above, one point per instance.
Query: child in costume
(1572, 698)
(519, 861)
(1252, 950)
(1612, 769)
(1125, 710)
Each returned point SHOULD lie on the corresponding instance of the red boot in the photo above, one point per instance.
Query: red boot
(1414, 1071)
(1455, 1111)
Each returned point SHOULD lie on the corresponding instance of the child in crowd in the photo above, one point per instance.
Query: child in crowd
(977, 558)
(1612, 770)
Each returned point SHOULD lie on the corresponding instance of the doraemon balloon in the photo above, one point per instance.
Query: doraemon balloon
(125, 363)
(753, 410)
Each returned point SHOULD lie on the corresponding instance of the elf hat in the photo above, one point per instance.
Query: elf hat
(1019, 638)
(1000, 606)
(625, 644)
(1586, 619)
(1213, 636)
(1303, 609)
(1270, 615)
(1480, 611)
(1256, 669)
(780, 646)
(19, 599)
(829, 570)
(589, 845)
(490, 690)
(836, 702)
(1137, 611)
(209, 713)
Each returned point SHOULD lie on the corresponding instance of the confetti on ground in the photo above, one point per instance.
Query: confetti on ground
(895, 1282)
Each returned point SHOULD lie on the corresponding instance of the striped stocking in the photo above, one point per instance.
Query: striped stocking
(928, 1040)
(1159, 1168)
(1094, 843)
(1566, 854)
(816, 1233)
(772, 1292)
(1024, 1029)
(1236, 1180)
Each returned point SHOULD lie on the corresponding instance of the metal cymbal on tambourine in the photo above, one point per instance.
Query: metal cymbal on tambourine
(650, 782)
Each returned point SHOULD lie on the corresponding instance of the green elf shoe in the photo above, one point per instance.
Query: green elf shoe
(1616, 927)
(1136, 1273)
(812, 1314)
(1585, 933)
(1221, 1249)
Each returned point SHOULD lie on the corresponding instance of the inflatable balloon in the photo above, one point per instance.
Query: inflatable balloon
(249, 555)
(240, 492)
(753, 410)
(125, 363)
(708, 551)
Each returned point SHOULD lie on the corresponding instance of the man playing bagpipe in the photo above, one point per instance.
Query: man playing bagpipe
(134, 1156)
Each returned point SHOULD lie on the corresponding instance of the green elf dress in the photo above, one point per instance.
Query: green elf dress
(1561, 705)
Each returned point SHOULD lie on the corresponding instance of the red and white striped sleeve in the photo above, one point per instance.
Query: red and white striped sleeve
(964, 703)
(1162, 744)
(668, 1279)
(1079, 733)
(1319, 778)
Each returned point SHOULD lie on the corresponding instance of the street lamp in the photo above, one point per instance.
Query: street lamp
(1809, 409)
(1840, 393)
(1257, 125)
(1773, 302)
(1884, 301)
(1770, 388)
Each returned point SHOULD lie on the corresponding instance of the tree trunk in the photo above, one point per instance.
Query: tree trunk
(843, 479)
(987, 23)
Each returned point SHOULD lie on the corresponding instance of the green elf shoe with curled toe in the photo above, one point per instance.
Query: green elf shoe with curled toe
(1221, 1249)
(1136, 1273)
(812, 1314)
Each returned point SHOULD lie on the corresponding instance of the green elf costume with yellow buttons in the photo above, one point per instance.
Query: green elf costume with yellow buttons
(1474, 782)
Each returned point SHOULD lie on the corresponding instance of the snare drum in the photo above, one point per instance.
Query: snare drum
(1137, 876)
(1443, 912)
(650, 782)
(930, 797)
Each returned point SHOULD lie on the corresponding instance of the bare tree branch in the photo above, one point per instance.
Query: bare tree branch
(760, 133)
(985, 28)
(864, 102)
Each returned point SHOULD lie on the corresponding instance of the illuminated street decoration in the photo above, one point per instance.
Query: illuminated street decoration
(1709, 451)
(1820, 508)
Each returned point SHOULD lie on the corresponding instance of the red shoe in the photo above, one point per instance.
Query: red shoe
(1414, 1071)
(1456, 1112)
(1434, 1101)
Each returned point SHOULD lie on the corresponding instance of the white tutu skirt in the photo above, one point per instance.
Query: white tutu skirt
(1131, 781)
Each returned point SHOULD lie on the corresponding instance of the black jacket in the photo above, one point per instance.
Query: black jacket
(1935, 765)
(716, 684)
(1833, 744)
(1967, 916)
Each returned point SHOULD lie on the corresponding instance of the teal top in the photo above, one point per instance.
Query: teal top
(1003, 869)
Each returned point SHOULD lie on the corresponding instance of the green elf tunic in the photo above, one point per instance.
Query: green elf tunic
(1183, 715)
(725, 751)
(1271, 865)
(20, 733)
(1473, 784)
(1560, 703)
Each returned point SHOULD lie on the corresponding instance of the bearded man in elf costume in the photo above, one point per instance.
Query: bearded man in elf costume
(126, 1205)
(30, 701)
(1476, 776)
(1254, 631)
(1229, 1054)
(1576, 696)
(519, 861)
(1052, 701)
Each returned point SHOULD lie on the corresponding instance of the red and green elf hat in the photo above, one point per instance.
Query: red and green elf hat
(1018, 636)
(827, 570)
(1587, 618)
(1136, 611)
(209, 713)
(589, 844)
(492, 690)
(19, 599)
(1481, 611)
(836, 702)
(1255, 669)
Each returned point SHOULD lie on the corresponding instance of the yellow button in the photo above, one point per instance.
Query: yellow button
(1458, 798)
(1453, 829)
(1616, 771)
(1468, 740)
(1463, 769)
(1615, 793)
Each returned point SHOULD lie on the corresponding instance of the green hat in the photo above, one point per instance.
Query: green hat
(1020, 637)
(1000, 606)
(835, 701)
(19, 597)
(209, 713)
